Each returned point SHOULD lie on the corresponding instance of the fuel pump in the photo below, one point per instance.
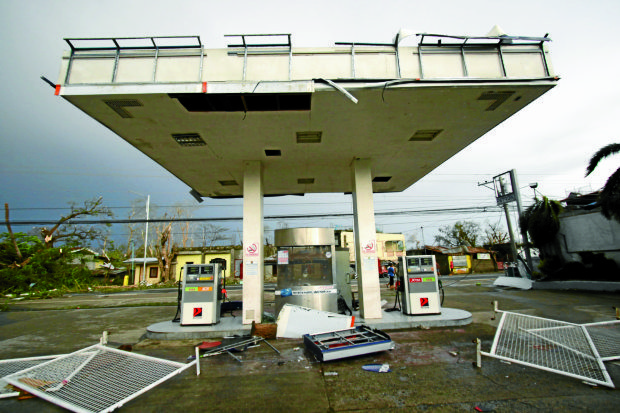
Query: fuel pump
(201, 294)
(419, 285)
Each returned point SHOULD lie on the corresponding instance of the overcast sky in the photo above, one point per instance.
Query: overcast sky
(52, 154)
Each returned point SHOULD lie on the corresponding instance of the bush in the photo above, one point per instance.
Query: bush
(48, 269)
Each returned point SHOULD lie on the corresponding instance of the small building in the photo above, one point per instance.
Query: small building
(144, 270)
(89, 258)
(460, 260)
(226, 256)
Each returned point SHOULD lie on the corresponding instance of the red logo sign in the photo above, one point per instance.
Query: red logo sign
(415, 280)
(251, 250)
(369, 248)
(197, 312)
(424, 302)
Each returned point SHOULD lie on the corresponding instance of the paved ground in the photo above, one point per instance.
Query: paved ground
(431, 370)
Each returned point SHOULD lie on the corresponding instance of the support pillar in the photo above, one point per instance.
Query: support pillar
(365, 240)
(253, 242)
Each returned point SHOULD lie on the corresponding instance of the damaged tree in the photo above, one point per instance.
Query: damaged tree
(12, 236)
(165, 250)
(69, 232)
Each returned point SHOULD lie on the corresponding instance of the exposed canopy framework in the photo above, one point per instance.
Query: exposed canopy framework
(305, 114)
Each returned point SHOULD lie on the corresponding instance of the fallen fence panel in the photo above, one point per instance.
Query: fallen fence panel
(96, 379)
(606, 337)
(11, 366)
(555, 346)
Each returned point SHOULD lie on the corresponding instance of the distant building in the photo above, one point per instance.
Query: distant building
(460, 260)
(228, 257)
(89, 258)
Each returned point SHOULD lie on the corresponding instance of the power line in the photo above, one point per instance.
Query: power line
(462, 210)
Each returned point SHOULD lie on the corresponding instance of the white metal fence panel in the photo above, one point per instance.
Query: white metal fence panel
(550, 345)
(95, 379)
(10, 366)
(606, 338)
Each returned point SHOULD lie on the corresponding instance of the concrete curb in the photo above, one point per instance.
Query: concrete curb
(605, 286)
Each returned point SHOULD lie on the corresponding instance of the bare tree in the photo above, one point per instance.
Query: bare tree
(65, 230)
(494, 234)
(413, 242)
(8, 227)
(210, 234)
(184, 211)
(137, 207)
(165, 250)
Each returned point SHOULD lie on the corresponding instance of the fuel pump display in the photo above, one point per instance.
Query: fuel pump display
(201, 289)
(420, 290)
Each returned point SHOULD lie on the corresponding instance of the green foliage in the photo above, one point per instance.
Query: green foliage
(27, 244)
(610, 194)
(541, 221)
(42, 267)
(462, 233)
(47, 269)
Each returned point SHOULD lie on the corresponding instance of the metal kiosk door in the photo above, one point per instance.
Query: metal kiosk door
(200, 303)
(420, 294)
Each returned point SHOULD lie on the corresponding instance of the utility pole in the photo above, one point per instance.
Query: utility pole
(504, 194)
(503, 189)
(513, 245)
(146, 236)
(526, 242)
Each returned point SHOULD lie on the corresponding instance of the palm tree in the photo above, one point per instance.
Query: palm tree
(541, 221)
(609, 199)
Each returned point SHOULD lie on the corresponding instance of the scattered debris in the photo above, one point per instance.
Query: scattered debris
(377, 368)
(330, 373)
(208, 344)
(264, 330)
(294, 321)
(513, 282)
(351, 342)
(236, 344)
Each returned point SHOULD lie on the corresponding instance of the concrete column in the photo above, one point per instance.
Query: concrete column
(365, 240)
(253, 242)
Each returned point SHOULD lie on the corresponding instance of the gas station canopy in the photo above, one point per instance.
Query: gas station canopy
(305, 113)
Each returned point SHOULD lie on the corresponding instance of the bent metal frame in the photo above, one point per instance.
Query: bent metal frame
(573, 350)
(96, 378)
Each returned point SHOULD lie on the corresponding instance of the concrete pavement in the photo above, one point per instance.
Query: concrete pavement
(431, 368)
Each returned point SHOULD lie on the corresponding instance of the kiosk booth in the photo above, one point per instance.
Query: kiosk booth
(306, 268)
